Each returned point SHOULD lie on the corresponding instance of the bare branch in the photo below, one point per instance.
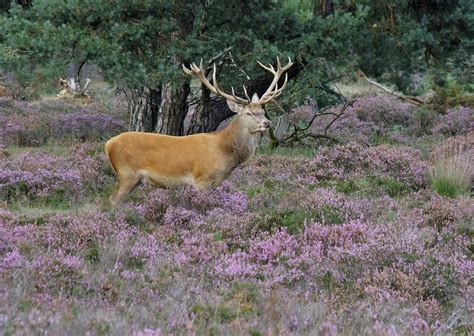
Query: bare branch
(412, 100)
(215, 58)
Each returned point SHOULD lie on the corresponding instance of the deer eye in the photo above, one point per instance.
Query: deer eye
(248, 113)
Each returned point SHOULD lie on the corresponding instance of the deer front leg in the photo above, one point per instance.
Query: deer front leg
(124, 188)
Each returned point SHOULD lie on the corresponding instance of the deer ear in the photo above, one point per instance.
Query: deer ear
(236, 107)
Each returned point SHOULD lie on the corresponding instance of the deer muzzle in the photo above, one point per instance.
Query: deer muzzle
(265, 124)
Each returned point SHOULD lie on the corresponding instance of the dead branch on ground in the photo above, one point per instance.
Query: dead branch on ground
(72, 89)
(412, 100)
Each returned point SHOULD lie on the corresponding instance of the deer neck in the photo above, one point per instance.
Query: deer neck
(238, 142)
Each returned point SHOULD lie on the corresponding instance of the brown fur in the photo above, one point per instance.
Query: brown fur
(204, 160)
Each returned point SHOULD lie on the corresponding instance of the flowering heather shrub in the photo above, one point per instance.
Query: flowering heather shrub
(366, 274)
(87, 126)
(352, 160)
(155, 206)
(441, 212)
(277, 249)
(64, 233)
(185, 204)
(63, 271)
(22, 130)
(276, 171)
(368, 119)
(37, 175)
(294, 209)
(303, 112)
(392, 282)
(40, 175)
(283, 258)
(34, 125)
(455, 121)
(382, 110)
(94, 167)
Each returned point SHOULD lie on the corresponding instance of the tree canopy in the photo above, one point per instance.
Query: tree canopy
(139, 45)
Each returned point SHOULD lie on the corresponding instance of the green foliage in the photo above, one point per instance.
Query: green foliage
(139, 42)
(452, 91)
(292, 220)
(92, 254)
(404, 37)
(143, 42)
(373, 185)
(449, 186)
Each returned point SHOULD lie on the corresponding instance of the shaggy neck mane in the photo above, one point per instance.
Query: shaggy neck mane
(237, 143)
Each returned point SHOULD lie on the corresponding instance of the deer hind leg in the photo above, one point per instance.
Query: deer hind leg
(125, 186)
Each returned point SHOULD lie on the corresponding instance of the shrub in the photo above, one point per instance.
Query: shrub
(186, 205)
(38, 176)
(422, 121)
(41, 176)
(455, 121)
(34, 125)
(373, 119)
(345, 162)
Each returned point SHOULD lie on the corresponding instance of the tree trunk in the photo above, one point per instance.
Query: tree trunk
(143, 106)
(210, 112)
(323, 7)
(173, 109)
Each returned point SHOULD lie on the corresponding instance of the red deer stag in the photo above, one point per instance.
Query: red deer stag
(203, 160)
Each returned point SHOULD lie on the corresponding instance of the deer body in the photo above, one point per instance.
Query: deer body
(203, 160)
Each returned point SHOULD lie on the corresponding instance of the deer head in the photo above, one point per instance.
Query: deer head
(250, 111)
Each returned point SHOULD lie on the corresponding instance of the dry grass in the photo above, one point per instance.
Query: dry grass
(453, 166)
(453, 175)
(454, 146)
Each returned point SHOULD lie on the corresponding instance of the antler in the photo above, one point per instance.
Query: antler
(194, 70)
(273, 90)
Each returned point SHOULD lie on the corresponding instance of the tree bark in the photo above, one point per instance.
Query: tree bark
(208, 116)
(323, 7)
(173, 108)
(144, 107)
